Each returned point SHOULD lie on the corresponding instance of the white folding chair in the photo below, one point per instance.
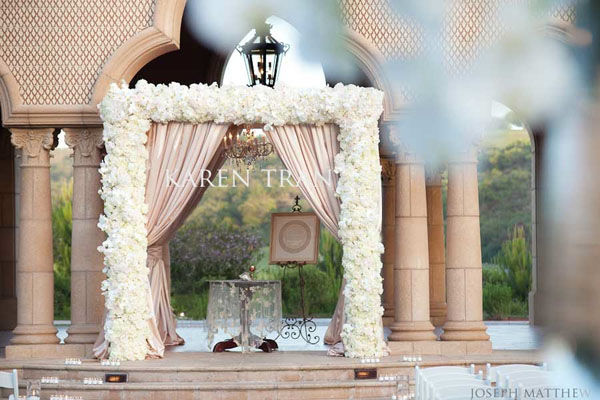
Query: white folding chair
(10, 380)
(421, 374)
(436, 372)
(502, 379)
(456, 392)
(527, 378)
(492, 372)
(433, 384)
(521, 392)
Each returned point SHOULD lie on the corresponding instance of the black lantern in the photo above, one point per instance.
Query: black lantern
(262, 56)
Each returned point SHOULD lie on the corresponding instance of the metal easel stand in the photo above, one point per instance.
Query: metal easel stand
(294, 327)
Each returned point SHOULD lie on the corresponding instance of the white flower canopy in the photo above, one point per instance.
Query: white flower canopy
(127, 115)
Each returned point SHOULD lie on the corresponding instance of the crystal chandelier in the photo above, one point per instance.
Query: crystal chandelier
(243, 147)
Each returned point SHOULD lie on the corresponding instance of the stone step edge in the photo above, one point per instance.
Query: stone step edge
(180, 386)
(245, 368)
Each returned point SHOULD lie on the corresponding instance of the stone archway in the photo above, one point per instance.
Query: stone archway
(142, 48)
(193, 62)
(9, 91)
(370, 61)
(539, 223)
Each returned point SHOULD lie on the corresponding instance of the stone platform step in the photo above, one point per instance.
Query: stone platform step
(274, 373)
(223, 390)
(282, 375)
(343, 371)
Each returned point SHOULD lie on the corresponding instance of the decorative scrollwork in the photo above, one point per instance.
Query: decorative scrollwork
(388, 170)
(296, 328)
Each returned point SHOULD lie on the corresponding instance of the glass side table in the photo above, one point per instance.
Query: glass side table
(246, 310)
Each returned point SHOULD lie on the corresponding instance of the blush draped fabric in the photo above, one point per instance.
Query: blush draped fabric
(308, 152)
(179, 158)
(179, 155)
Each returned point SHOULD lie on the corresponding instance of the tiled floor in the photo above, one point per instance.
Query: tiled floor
(504, 336)
(513, 335)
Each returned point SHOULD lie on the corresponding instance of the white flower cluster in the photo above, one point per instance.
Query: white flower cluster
(123, 173)
(127, 114)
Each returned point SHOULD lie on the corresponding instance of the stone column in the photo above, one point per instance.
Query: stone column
(463, 262)
(388, 182)
(411, 267)
(87, 303)
(437, 247)
(35, 274)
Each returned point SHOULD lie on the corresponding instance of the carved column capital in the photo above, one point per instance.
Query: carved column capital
(35, 145)
(87, 145)
(405, 156)
(388, 171)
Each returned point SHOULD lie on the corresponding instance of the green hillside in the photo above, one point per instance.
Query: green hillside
(61, 168)
(503, 138)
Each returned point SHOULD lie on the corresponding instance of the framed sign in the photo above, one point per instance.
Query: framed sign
(294, 238)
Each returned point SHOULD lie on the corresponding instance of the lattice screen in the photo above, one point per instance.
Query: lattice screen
(471, 25)
(56, 48)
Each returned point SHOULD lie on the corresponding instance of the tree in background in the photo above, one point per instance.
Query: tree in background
(201, 251)
(515, 260)
(61, 168)
(330, 261)
(250, 205)
(62, 213)
(507, 282)
(504, 193)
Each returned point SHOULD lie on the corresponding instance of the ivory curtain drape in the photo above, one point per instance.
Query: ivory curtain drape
(308, 152)
(179, 156)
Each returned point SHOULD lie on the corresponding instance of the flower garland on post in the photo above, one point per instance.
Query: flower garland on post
(127, 115)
